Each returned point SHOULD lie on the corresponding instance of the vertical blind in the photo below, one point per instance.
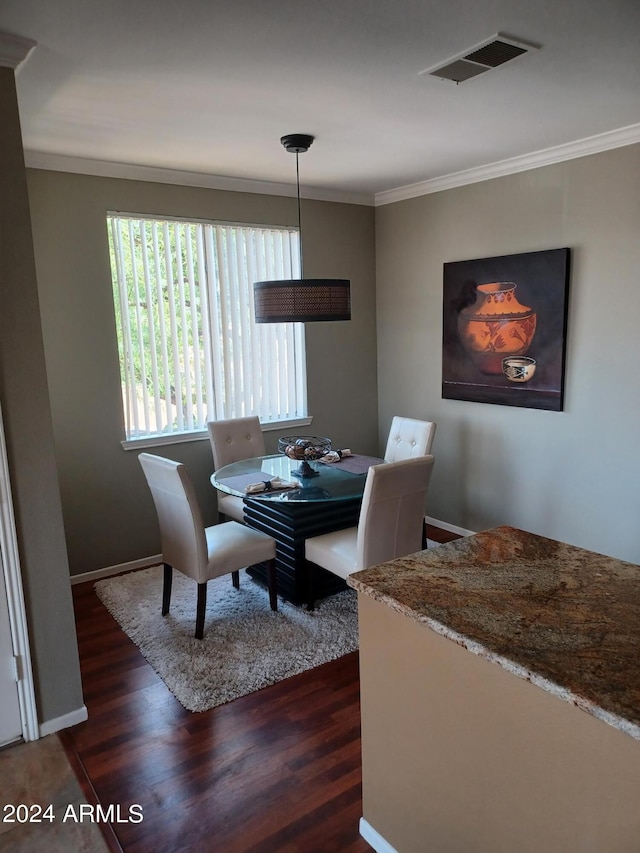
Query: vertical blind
(190, 350)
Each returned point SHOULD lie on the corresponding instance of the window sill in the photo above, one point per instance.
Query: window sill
(202, 435)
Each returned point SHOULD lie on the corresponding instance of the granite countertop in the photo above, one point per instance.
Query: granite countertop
(566, 619)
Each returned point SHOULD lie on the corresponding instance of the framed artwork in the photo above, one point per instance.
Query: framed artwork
(504, 329)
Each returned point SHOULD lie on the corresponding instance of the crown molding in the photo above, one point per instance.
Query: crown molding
(106, 169)
(548, 156)
(14, 49)
(629, 135)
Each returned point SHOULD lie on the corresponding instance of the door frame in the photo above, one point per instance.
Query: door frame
(15, 599)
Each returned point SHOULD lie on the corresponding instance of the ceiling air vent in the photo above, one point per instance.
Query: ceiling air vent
(483, 57)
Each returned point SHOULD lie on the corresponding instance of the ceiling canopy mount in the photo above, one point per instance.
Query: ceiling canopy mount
(297, 143)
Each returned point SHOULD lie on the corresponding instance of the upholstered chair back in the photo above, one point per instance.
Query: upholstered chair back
(235, 439)
(392, 513)
(182, 531)
(409, 438)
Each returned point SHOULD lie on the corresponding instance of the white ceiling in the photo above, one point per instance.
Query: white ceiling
(208, 87)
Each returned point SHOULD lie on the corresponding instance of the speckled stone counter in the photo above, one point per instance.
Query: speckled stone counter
(478, 661)
(566, 619)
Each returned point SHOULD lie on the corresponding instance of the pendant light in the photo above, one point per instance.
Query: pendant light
(301, 300)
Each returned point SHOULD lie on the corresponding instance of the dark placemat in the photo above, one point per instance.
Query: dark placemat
(355, 464)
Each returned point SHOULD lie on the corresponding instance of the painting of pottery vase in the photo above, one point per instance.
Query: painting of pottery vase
(504, 329)
(497, 325)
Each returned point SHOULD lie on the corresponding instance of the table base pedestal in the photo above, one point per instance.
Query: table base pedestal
(290, 524)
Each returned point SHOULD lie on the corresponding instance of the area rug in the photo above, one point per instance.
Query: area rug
(246, 646)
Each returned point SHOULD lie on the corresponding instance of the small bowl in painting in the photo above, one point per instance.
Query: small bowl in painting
(519, 368)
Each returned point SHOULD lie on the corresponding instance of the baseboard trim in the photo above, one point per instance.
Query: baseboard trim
(64, 722)
(450, 528)
(116, 570)
(372, 837)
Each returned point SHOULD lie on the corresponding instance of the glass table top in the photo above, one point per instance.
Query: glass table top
(327, 482)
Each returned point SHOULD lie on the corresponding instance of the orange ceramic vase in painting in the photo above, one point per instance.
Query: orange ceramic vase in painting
(496, 325)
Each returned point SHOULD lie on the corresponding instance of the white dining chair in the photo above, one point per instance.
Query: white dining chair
(232, 440)
(409, 438)
(198, 552)
(390, 523)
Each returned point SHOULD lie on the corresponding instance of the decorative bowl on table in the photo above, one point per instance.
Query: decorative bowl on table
(304, 448)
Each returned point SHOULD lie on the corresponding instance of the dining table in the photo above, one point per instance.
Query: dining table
(318, 497)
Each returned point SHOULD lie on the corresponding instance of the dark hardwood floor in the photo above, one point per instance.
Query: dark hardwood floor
(277, 771)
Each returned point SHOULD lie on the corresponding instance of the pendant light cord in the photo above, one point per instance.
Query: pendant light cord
(299, 220)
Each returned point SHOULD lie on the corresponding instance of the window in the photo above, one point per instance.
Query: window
(190, 350)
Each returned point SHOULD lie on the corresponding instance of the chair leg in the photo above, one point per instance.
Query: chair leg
(424, 536)
(235, 579)
(202, 606)
(166, 588)
(273, 584)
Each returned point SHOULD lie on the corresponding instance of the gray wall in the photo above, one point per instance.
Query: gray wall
(571, 475)
(30, 449)
(108, 514)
